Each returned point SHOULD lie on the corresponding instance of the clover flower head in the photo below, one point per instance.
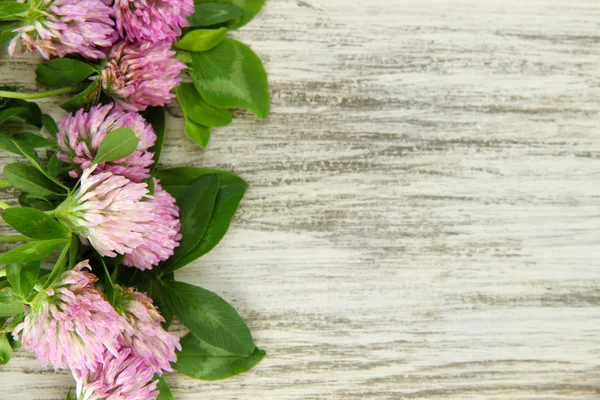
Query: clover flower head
(71, 325)
(152, 20)
(117, 216)
(140, 75)
(145, 334)
(61, 27)
(163, 238)
(145, 349)
(123, 376)
(109, 212)
(80, 135)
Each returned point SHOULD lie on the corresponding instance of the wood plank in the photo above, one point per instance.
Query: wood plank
(424, 211)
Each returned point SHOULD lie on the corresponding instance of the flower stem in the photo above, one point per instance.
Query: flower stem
(58, 267)
(39, 95)
(4, 183)
(73, 252)
(4, 205)
(15, 238)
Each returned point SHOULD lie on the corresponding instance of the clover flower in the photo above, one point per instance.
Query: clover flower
(109, 212)
(144, 333)
(61, 27)
(160, 242)
(81, 134)
(117, 377)
(146, 349)
(152, 20)
(71, 325)
(117, 216)
(140, 75)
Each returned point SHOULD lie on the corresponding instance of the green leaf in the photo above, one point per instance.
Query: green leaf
(7, 295)
(158, 295)
(87, 98)
(32, 251)
(34, 223)
(13, 274)
(249, 7)
(34, 140)
(177, 180)
(209, 317)
(28, 179)
(23, 277)
(10, 309)
(197, 360)
(25, 139)
(226, 204)
(198, 133)
(207, 14)
(21, 110)
(6, 32)
(195, 209)
(50, 125)
(29, 275)
(33, 157)
(149, 185)
(12, 11)
(184, 56)
(7, 144)
(5, 349)
(201, 39)
(40, 203)
(155, 116)
(7, 35)
(12, 113)
(29, 152)
(117, 144)
(231, 75)
(164, 390)
(200, 111)
(61, 72)
(54, 166)
(231, 191)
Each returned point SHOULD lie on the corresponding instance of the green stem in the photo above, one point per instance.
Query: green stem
(2, 273)
(15, 238)
(39, 95)
(73, 251)
(4, 183)
(58, 267)
(4, 205)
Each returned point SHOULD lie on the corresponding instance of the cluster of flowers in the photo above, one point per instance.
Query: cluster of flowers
(132, 37)
(113, 352)
(111, 338)
(112, 209)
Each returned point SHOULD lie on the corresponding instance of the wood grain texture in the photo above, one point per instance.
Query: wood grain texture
(424, 211)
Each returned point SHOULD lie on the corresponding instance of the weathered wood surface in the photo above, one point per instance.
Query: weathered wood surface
(425, 205)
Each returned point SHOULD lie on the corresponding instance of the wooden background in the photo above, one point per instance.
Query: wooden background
(425, 204)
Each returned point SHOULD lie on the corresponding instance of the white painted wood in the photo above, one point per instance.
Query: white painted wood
(424, 212)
